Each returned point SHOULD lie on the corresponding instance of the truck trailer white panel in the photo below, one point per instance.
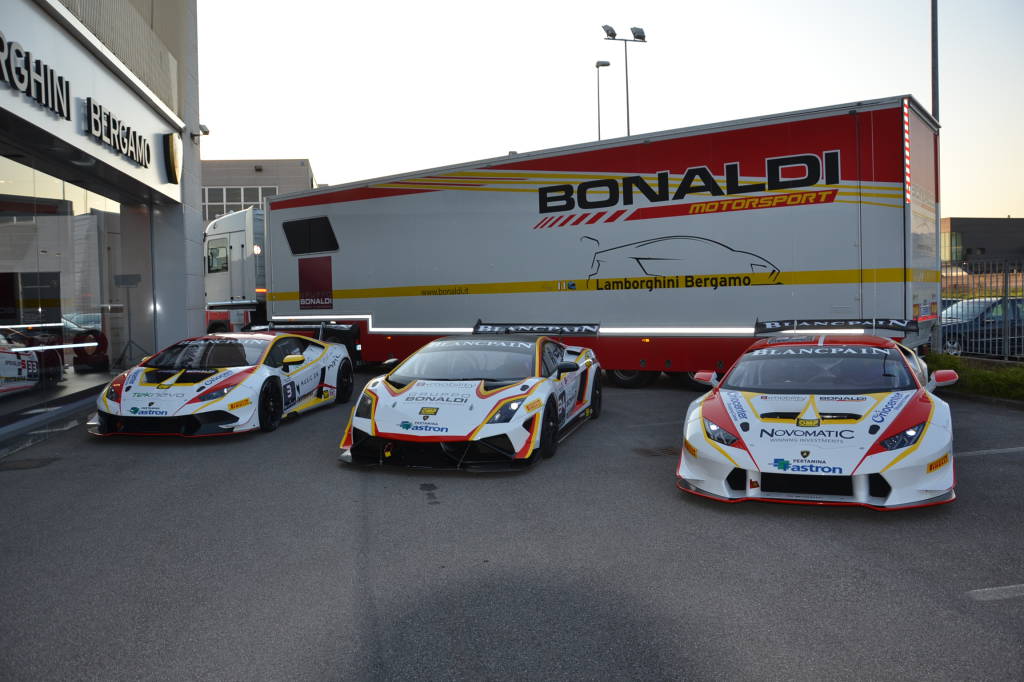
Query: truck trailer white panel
(686, 234)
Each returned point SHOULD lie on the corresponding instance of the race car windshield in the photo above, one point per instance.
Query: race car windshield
(472, 364)
(820, 369)
(209, 354)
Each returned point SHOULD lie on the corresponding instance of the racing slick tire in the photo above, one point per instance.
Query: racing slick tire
(270, 406)
(596, 397)
(344, 383)
(631, 378)
(217, 327)
(549, 432)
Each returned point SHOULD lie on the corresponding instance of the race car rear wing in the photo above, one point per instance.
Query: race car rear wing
(877, 327)
(346, 334)
(553, 329)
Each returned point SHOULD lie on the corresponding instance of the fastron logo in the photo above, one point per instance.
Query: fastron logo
(409, 426)
(786, 465)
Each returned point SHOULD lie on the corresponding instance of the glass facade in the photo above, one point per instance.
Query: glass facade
(76, 294)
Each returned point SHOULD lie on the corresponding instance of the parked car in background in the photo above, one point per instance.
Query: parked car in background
(984, 326)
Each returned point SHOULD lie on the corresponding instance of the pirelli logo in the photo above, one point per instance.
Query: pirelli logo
(939, 463)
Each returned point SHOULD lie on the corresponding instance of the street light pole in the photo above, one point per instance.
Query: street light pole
(638, 37)
(597, 68)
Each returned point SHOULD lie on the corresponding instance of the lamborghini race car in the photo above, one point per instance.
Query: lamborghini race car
(830, 419)
(472, 402)
(224, 383)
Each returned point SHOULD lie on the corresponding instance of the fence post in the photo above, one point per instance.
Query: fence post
(1006, 310)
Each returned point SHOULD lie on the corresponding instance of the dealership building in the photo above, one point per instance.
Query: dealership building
(101, 218)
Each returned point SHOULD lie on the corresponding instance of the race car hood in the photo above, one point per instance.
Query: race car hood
(445, 408)
(813, 433)
(161, 393)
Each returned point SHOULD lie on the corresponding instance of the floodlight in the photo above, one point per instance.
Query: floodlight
(638, 34)
(609, 31)
(600, 64)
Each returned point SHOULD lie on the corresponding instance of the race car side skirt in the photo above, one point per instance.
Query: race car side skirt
(944, 498)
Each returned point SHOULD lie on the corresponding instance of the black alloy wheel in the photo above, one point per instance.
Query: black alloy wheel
(344, 383)
(596, 396)
(549, 432)
(270, 406)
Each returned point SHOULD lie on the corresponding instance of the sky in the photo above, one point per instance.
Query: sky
(370, 89)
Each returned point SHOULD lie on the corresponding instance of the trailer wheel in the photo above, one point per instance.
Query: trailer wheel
(631, 378)
(344, 383)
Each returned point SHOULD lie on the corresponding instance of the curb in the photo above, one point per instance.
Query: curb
(36, 428)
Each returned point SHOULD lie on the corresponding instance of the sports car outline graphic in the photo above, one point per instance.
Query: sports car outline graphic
(846, 442)
(219, 384)
(638, 258)
(501, 417)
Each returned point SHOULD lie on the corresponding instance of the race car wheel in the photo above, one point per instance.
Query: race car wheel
(549, 432)
(631, 378)
(596, 397)
(270, 406)
(344, 382)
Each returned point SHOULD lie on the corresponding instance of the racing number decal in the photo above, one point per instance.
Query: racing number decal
(290, 394)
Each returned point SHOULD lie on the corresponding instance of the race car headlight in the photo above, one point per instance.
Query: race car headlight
(114, 389)
(212, 395)
(717, 433)
(365, 406)
(903, 439)
(505, 413)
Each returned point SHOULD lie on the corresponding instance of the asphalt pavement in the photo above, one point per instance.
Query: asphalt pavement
(258, 557)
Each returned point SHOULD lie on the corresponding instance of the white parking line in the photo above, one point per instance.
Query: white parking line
(997, 451)
(996, 593)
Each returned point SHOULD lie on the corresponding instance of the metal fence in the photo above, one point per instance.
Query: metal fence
(983, 308)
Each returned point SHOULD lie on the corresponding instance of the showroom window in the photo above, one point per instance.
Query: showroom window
(76, 297)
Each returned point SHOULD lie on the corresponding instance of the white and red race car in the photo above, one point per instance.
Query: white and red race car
(224, 383)
(475, 402)
(832, 419)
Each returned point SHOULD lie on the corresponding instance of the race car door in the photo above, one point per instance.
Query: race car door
(298, 383)
(566, 386)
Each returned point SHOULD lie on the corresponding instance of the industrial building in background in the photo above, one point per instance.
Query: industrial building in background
(230, 186)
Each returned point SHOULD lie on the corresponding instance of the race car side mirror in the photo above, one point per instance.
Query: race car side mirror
(706, 377)
(942, 377)
(294, 359)
(566, 367)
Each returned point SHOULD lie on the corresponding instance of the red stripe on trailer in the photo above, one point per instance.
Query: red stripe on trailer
(615, 216)
(342, 196)
(880, 131)
(581, 219)
(566, 221)
(597, 216)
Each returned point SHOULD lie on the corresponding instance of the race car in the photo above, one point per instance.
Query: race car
(25, 364)
(472, 402)
(224, 383)
(822, 419)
